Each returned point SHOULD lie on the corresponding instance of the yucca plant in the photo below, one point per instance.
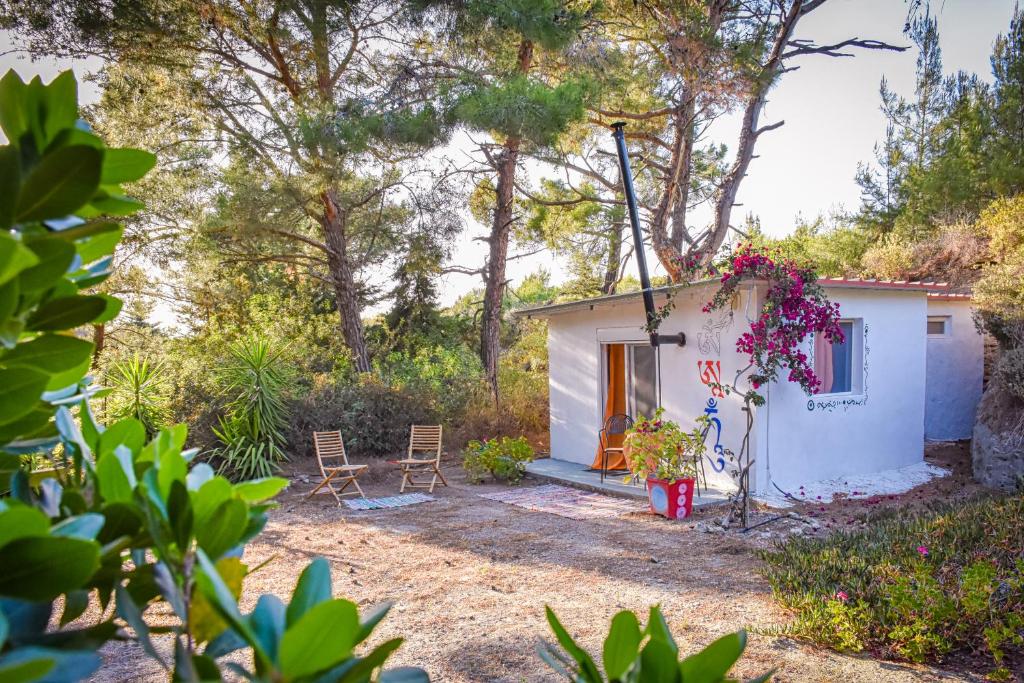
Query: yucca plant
(252, 431)
(139, 391)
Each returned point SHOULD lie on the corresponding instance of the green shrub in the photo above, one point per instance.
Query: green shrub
(252, 433)
(373, 417)
(914, 587)
(1010, 368)
(504, 459)
(632, 654)
(446, 376)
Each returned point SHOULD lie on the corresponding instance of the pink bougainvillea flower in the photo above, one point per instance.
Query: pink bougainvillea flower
(922, 551)
(842, 596)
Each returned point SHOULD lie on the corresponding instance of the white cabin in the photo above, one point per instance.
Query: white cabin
(910, 370)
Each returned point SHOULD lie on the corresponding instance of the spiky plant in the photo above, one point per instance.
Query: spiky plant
(252, 429)
(139, 390)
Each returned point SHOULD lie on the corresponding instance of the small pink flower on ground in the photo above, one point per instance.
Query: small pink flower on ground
(842, 596)
(922, 550)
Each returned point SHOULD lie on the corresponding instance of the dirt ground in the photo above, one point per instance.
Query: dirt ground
(469, 577)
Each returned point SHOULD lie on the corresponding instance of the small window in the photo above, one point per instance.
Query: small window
(838, 366)
(938, 325)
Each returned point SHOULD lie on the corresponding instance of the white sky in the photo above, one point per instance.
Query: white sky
(830, 107)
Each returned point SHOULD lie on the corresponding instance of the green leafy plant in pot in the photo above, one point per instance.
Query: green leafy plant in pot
(668, 458)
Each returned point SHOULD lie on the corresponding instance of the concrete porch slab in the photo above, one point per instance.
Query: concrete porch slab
(579, 476)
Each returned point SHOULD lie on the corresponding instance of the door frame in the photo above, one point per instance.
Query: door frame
(627, 336)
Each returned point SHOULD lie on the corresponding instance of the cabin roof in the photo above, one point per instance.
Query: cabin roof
(935, 291)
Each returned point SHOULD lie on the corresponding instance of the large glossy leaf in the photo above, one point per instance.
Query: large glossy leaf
(10, 182)
(21, 521)
(61, 104)
(116, 481)
(205, 619)
(258, 490)
(222, 531)
(125, 165)
(14, 257)
(267, 621)
(321, 638)
(99, 245)
(209, 581)
(69, 665)
(107, 203)
(657, 628)
(209, 496)
(13, 116)
(41, 568)
(20, 389)
(711, 664)
(659, 664)
(22, 670)
(622, 646)
(50, 353)
(110, 310)
(313, 588)
(85, 526)
(9, 294)
(128, 433)
(67, 313)
(54, 258)
(63, 181)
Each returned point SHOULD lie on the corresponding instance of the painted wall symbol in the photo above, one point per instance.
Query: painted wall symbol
(717, 462)
(709, 339)
(711, 375)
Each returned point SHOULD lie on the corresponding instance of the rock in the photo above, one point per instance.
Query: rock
(997, 447)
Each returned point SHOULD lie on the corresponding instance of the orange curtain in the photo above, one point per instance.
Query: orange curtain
(615, 403)
(823, 363)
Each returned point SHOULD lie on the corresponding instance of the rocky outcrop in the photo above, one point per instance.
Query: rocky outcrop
(997, 448)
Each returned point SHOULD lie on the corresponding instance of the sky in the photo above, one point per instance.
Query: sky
(829, 105)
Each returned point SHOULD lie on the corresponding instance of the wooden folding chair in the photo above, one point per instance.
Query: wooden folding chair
(422, 438)
(334, 466)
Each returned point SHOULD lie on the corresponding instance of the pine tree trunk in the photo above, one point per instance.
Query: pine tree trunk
(612, 265)
(494, 289)
(99, 341)
(343, 279)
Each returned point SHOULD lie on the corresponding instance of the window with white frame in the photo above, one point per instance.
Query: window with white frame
(938, 325)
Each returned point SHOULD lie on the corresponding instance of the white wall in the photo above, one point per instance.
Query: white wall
(574, 345)
(878, 426)
(955, 370)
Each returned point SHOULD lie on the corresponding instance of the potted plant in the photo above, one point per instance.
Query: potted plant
(667, 457)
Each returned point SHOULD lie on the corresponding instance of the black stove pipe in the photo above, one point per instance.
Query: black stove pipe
(638, 240)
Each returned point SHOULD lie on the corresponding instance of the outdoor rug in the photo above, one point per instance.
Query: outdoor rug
(566, 502)
(388, 502)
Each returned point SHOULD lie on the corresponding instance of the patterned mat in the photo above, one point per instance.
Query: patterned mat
(567, 502)
(388, 502)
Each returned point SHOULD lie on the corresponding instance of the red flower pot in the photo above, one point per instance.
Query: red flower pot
(674, 500)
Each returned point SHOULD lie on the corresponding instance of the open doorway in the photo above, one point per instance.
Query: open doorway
(629, 385)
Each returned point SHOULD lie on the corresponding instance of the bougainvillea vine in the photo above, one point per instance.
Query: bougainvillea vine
(795, 309)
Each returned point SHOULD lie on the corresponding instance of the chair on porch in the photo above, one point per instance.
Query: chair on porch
(422, 438)
(615, 425)
(334, 466)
